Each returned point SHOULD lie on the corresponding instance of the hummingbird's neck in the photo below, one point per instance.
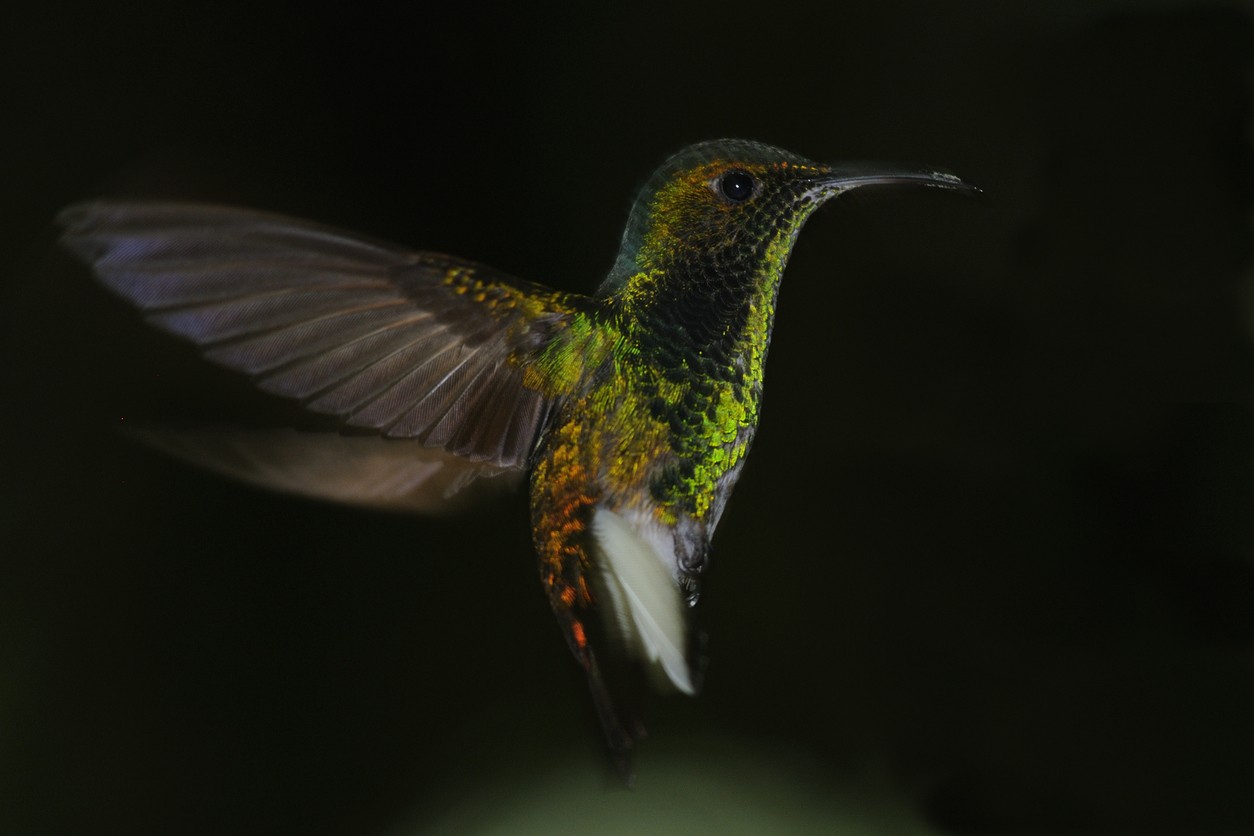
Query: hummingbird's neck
(689, 315)
(686, 303)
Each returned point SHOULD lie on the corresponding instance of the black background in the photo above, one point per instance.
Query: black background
(989, 566)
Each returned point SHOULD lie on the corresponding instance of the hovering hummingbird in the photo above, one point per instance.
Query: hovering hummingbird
(632, 409)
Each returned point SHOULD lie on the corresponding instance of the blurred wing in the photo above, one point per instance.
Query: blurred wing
(365, 470)
(410, 344)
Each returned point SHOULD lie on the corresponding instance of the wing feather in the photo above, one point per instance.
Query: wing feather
(409, 344)
(259, 354)
(366, 471)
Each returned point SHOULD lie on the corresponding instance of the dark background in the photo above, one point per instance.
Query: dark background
(989, 567)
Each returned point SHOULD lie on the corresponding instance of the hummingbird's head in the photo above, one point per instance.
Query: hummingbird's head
(731, 209)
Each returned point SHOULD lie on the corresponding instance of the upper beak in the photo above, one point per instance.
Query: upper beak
(843, 178)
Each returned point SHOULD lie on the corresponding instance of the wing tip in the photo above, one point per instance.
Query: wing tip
(77, 223)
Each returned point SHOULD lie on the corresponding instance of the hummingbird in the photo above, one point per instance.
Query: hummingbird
(631, 411)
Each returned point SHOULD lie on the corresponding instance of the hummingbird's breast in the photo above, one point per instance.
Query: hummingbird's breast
(657, 424)
(630, 478)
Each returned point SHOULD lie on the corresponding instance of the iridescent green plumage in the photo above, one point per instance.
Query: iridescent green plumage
(633, 409)
(686, 315)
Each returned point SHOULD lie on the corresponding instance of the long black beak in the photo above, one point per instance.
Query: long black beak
(843, 178)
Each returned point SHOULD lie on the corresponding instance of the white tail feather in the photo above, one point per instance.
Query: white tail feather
(648, 607)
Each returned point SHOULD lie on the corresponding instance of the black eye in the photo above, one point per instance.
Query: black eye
(736, 185)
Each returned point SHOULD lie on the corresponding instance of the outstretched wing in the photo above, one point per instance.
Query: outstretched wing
(362, 470)
(410, 344)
